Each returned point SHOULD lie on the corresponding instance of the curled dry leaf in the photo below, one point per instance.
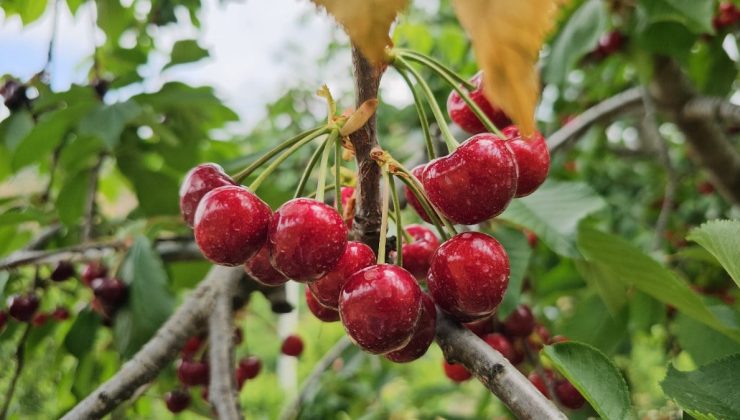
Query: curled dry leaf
(507, 37)
(358, 118)
(367, 22)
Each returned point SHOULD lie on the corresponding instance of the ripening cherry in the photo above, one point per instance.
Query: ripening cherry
(109, 290)
(328, 287)
(500, 343)
(92, 271)
(519, 323)
(423, 336)
(22, 307)
(532, 159)
(193, 373)
(197, 183)
(319, 311)
(262, 271)
(539, 383)
(64, 270)
(251, 366)
(191, 347)
(568, 395)
(417, 255)
(177, 400)
(292, 346)
(456, 372)
(463, 116)
(39, 319)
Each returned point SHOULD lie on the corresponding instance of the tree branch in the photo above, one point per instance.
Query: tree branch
(222, 386)
(712, 108)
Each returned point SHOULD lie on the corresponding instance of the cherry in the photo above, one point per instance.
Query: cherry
(501, 344)
(475, 182)
(532, 159)
(197, 183)
(177, 400)
(3, 319)
(609, 43)
(292, 346)
(307, 238)
(193, 373)
(469, 275)
(705, 188)
(191, 347)
(110, 290)
(63, 271)
(411, 198)
(92, 271)
(568, 395)
(60, 314)
(539, 383)
(327, 289)
(39, 319)
(347, 194)
(519, 323)
(251, 365)
(231, 225)
(380, 307)
(728, 14)
(262, 271)
(418, 254)
(319, 311)
(463, 116)
(481, 327)
(531, 238)
(456, 372)
(539, 337)
(423, 336)
(22, 308)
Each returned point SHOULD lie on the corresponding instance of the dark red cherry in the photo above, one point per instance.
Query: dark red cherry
(423, 336)
(326, 289)
(22, 307)
(319, 311)
(469, 275)
(231, 225)
(380, 307)
(568, 395)
(307, 238)
(39, 319)
(417, 255)
(110, 290)
(610, 42)
(191, 347)
(456, 372)
(177, 400)
(197, 183)
(92, 271)
(411, 198)
(532, 159)
(292, 346)
(262, 271)
(501, 344)
(251, 366)
(463, 116)
(193, 373)
(538, 383)
(63, 271)
(475, 182)
(104, 310)
(519, 323)
(481, 327)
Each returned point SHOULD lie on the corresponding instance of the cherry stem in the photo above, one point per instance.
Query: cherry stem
(280, 159)
(445, 74)
(427, 207)
(384, 216)
(309, 168)
(337, 175)
(423, 120)
(320, 189)
(399, 222)
(452, 144)
(418, 191)
(326, 189)
(240, 176)
(435, 65)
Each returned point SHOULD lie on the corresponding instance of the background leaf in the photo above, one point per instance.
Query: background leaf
(81, 336)
(107, 121)
(517, 248)
(722, 239)
(696, 15)
(186, 51)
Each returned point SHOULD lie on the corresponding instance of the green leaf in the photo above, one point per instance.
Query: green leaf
(108, 121)
(579, 35)
(611, 291)
(592, 323)
(632, 267)
(81, 336)
(711, 68)
(595, 377)
(4, 277)
(74, 5)
(70, 203)
(517, 247)
(28, 214)
(710, 392)
(28, 10)
(693, 337)
(668, 38)
(553, 213)
(696, 15)
(15, 128)
(722, 239)
(149, 301)
(186, 51)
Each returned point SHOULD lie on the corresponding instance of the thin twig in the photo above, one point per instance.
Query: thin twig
(92, 190)
(708, 107)
(222, 386)
(20, 358)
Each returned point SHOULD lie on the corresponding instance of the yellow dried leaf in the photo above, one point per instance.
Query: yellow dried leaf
(367, 22)
(507, 37)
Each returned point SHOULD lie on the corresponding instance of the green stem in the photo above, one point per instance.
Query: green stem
(384, 217)
(337, 174)
(324, 163)
(240, 176)
(399, 222)
(427, 207)
(307, 172)
(286, 154)
(326, 189)
(436, 65)
(423, 120)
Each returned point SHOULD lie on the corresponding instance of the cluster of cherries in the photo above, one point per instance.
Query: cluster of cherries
(727, 16)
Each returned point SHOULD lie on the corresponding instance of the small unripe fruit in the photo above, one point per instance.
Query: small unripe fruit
(456, 372)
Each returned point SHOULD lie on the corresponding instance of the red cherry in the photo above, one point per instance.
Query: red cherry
(411, 198)
(423, 336)
(63, 271)
(110, 290)
(321, 312)
(191, 347)
(568, 395)
(539, 337)
(327, 289)
(469, 275)
(463, 116)
(481, 327)
(307, 238)
(519, 323)
(501, 344)
(92, 271)
(231, 225)
(418, 254)
(705, 188)
(262, 271)
(251, 366)
(193, 373)
(177, 400)
(380, 307)
(60, 314)
(475, 182)
(456, 372)
(347, 194)
(22, 308)
(39, 319)
(610, 42)
(197, 183)
(3, 319)
(292, 346)
(539, 383)
(532, 159)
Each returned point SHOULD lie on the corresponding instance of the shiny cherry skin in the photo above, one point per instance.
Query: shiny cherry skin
(475, 182)
(327, 289)
(22, 307)
(456, 372)
(197, 183)
(319, 311)
(500, 343)
(411, 198)
(262, 271)
(92, 271)
(292, 346)
(231, 225)
(251, 366)
(423, 336)
(63, 271)
(519, 323)
(463, 116)
(177, 400)
(193, 373)
(109, 290)
(306, 240)
(532, 159)
(380, 307)
(481, 327)
(469, 275)
(418, 254)
(568, 395)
